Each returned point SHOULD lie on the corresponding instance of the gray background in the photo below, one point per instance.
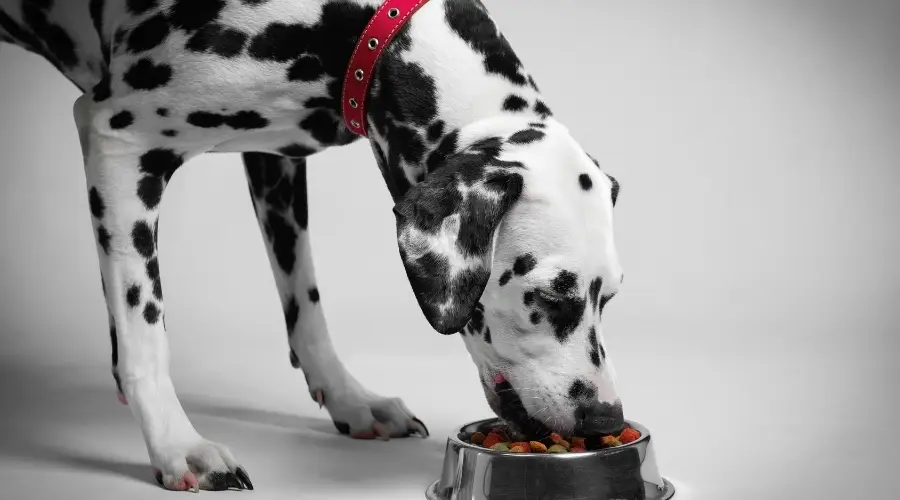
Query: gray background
(757, 147)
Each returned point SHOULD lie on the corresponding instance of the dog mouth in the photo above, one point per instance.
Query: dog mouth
(506, 402)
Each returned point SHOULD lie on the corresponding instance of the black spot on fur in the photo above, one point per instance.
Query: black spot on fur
(504, 278)
(528, 298)
(487, 335)
(301, 203)
(59, 46)
(146, 75)
(306, 69)
(615, 189)
(291, 314)
(190, 15)
(151, 313)
(585, 181)
(535, 317)
(283, 238)
(593, 347)
(120, 120)
(160, 162)
(218, 39)
(142, 239)
(115, 345)
(524, 264)
(102, 90)
(103, 238)
(153, 268)
(157, 289)
(169, 132)
(321, 125)
(564, 309)
(446, 148)
(594, 291)
(96, 8)
(603, 301)
(150, 191)
(579, 390)
(565, 282)
(541, 108)
(133, 295)
(149, 34)
(514, 103)
(96, 203)
(314, 295)
(474, 25)
(296, 151)
(242, 120)
(141, 6)
(540, 125)
(526, 136)
(533, 83)
(435, 131)
(162, 112)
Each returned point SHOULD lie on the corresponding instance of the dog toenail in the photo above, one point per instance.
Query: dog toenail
(244, 477)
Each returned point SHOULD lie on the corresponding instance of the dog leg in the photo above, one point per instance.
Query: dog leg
(125, 181)
(278, 191)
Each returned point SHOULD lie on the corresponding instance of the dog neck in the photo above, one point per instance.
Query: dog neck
(448, 80)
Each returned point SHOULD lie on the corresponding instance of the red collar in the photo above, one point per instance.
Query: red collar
(382, 28)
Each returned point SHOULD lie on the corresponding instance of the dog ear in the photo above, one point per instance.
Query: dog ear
(445, 232)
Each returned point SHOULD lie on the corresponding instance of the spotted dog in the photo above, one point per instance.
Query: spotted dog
(504, 222)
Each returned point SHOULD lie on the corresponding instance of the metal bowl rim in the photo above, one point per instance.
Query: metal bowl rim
(645, 436)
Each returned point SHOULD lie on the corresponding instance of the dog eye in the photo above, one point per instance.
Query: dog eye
(549, 298)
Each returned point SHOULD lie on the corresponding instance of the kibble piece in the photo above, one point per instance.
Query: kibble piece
(500, 447)
(557, 449)
(610, 441)
(517, 449)
(522, 444)
(537, 447)
(491, 440)
(477, 438)
(629, 435)
(576, 449)
(578, 443)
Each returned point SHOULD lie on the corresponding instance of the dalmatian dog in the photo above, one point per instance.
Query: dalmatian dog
(504, 223)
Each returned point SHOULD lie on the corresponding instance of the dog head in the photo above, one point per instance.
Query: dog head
(510, 244)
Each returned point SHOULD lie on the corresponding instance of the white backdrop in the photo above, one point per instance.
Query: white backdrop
(756, 145)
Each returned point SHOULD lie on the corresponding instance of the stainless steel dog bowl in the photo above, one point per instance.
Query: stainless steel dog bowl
(626, 472)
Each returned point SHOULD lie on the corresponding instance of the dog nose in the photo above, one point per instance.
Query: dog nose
(599, 418)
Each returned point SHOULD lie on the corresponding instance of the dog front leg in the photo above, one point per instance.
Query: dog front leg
(279, 193)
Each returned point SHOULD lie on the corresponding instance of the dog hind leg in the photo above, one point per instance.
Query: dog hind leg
(278, 190)
(125, 181)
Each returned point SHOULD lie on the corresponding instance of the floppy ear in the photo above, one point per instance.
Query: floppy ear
(445, 233)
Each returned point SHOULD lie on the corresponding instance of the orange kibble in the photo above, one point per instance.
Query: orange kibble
(610, 441)
(629, 435)
(556, 438)
(477, 438)
(537, 447)
(578, 443)
(517, 449)
(491, 440)
(521, 444)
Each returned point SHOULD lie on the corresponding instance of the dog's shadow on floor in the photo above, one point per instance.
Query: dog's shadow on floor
(325, 454)
(82, 428)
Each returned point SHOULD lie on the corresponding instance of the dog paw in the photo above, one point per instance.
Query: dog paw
(204, 465)
(371, 418)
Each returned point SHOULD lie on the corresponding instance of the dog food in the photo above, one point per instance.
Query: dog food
(498, 439)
